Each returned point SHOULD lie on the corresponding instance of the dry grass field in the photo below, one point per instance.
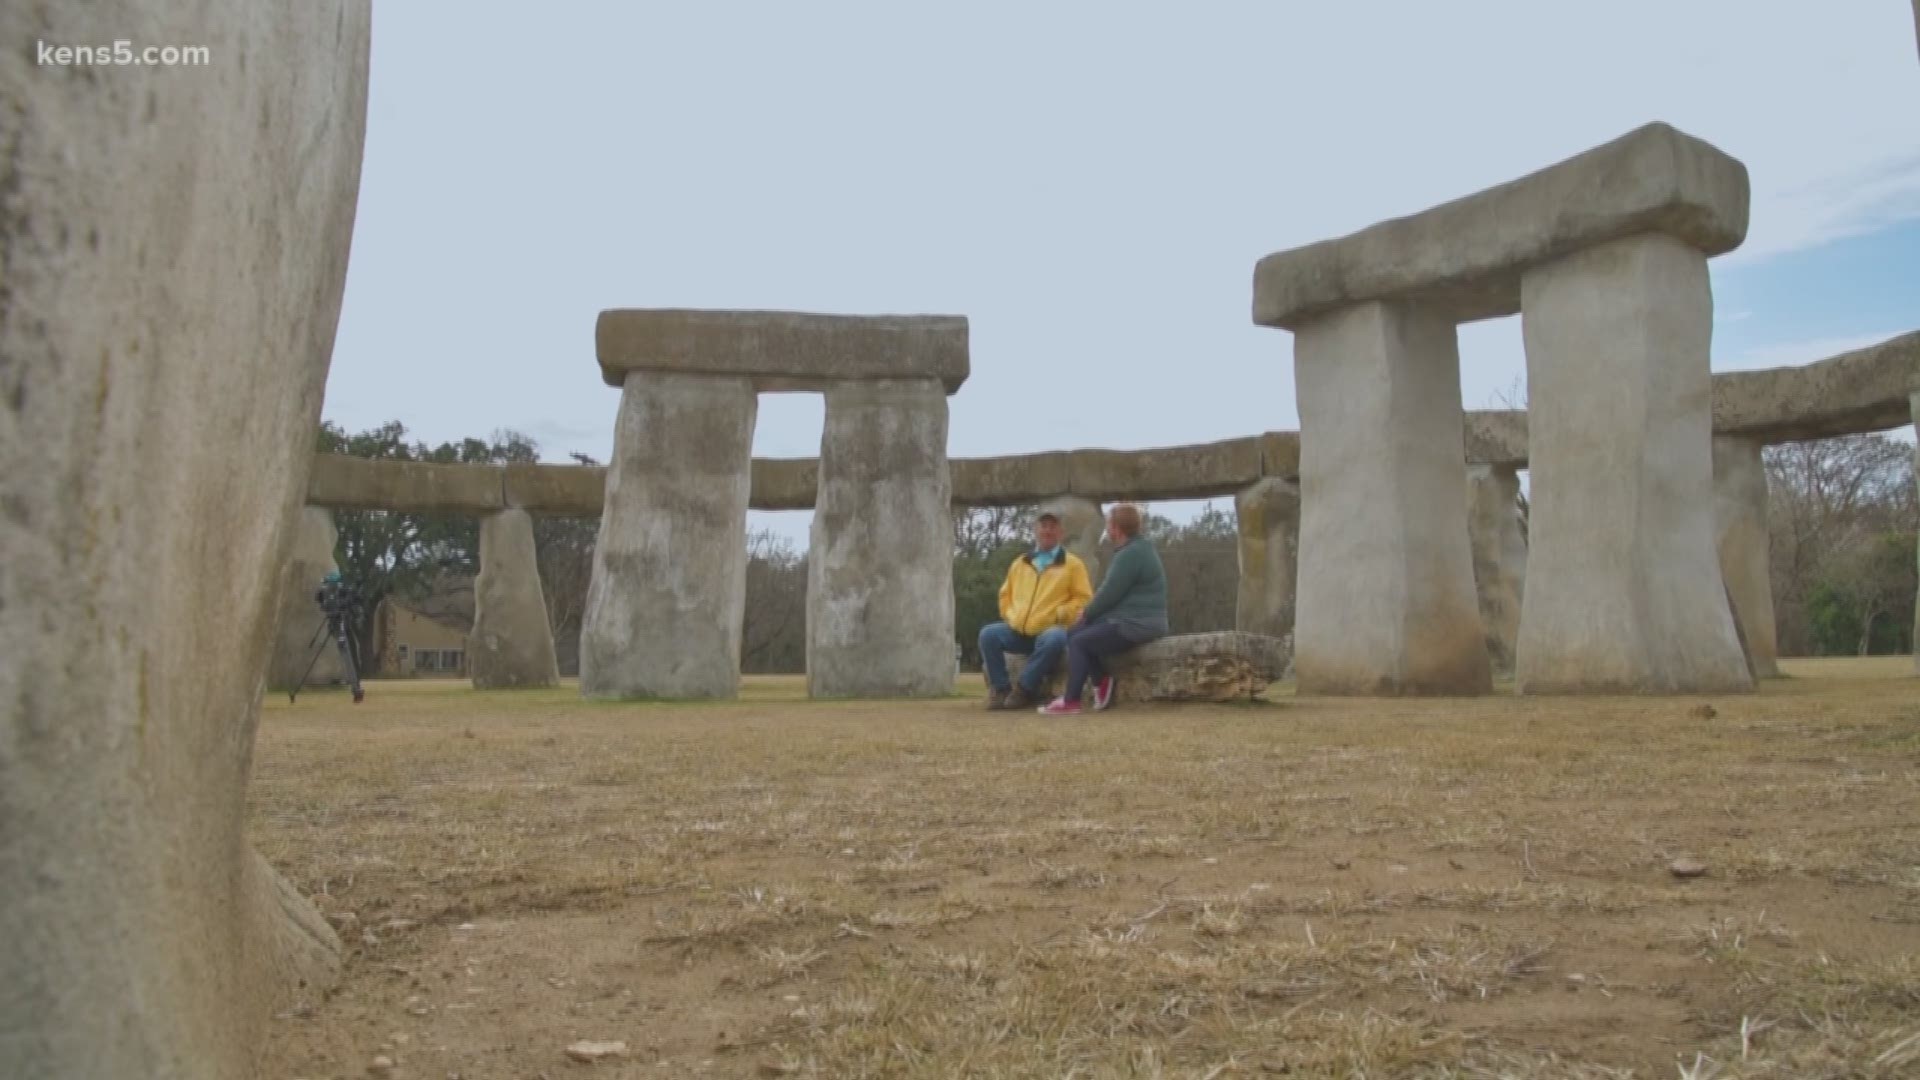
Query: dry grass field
(1294, 888)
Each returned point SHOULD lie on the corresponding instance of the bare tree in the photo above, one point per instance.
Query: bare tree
(1839, 511)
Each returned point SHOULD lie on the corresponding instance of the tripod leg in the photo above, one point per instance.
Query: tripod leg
(344, 640)
(320, 638)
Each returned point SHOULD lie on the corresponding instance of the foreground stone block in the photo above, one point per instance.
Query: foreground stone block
(669, 585)
(175, 245)
(1745, 547)
(1499, 556)
(511, 645)
(1268, 515)
(1226, 665)
(880, 566)
(783, 350)
(1465, 258)
(300, 619)
(1386, 596)
(1623, 592)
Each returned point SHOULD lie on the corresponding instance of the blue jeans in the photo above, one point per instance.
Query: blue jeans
(999, 639)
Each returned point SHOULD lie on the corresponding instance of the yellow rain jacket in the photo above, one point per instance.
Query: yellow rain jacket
(1034, 600)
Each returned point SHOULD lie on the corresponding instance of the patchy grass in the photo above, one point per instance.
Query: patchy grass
(1320, 887)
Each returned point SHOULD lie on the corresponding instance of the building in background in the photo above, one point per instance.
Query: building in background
(414, 644)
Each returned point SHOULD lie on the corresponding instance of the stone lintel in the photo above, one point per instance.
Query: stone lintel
(1858, 391)
(1465, 257)
(782, 350)
(341, 482)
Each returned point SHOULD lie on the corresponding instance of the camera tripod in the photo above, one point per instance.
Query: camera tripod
(349, 648)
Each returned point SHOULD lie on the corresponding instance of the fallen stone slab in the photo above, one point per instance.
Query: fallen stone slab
(782, 350)
(1223, 665)
(1465, 258)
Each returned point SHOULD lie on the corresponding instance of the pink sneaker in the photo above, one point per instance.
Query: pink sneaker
(1103, 694)
(1060, 707)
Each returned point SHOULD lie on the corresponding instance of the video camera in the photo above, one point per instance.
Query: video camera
(340, 606)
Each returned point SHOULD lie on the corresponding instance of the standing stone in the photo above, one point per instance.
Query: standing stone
(1624, 592)
(512, 643)
(1499, 555)
(1386, 599)
(1268, 514)
(300, 620)
(880, 567)
(175, 245)
(1085, 527)
(669, 586)
(1740, 518)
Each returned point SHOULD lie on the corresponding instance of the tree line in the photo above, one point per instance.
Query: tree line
(1843, 519)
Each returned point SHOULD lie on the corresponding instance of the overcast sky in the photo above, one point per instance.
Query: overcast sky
(1090, 184)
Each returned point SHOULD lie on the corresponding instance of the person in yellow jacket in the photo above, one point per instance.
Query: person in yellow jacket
(1044, 593)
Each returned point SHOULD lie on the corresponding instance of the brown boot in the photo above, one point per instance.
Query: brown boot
(1017, 699)
(996, 699)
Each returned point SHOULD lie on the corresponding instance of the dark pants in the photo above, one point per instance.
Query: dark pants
(1087, 649)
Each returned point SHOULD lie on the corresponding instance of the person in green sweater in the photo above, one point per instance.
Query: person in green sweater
(1129, 610)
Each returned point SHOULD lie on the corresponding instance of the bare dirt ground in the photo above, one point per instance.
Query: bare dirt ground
(1295, 888)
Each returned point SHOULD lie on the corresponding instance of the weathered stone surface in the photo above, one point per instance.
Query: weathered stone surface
(1497, 437)
(1280, 454)
(785, 483)
(175, 244)
(511, 644)
(1196, 471)
(556, 490)
(1085, 526)
(1499, 556)
(1858, 391)
(783, 350)
(340, 482)
(1386, 600)
(1009, 481)
(1465, 258)
(1226, 665)
(1624, 593)
(300, 619)
(669, 586)
(1740, 518)
(1268, 518)
(880, 566)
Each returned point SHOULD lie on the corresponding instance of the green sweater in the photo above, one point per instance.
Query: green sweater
(1135, 586)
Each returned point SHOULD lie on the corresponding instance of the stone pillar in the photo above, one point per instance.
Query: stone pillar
(512, 643)
(1085, 527)
(880, 567)
(1624, 593)
(301, 623)
(1740, 521)
(1268, 513)
(1499, 555)
(669, 585)
(175, 247)
(1386, 600)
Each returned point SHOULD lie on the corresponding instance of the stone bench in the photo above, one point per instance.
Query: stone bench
(1227, 665)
